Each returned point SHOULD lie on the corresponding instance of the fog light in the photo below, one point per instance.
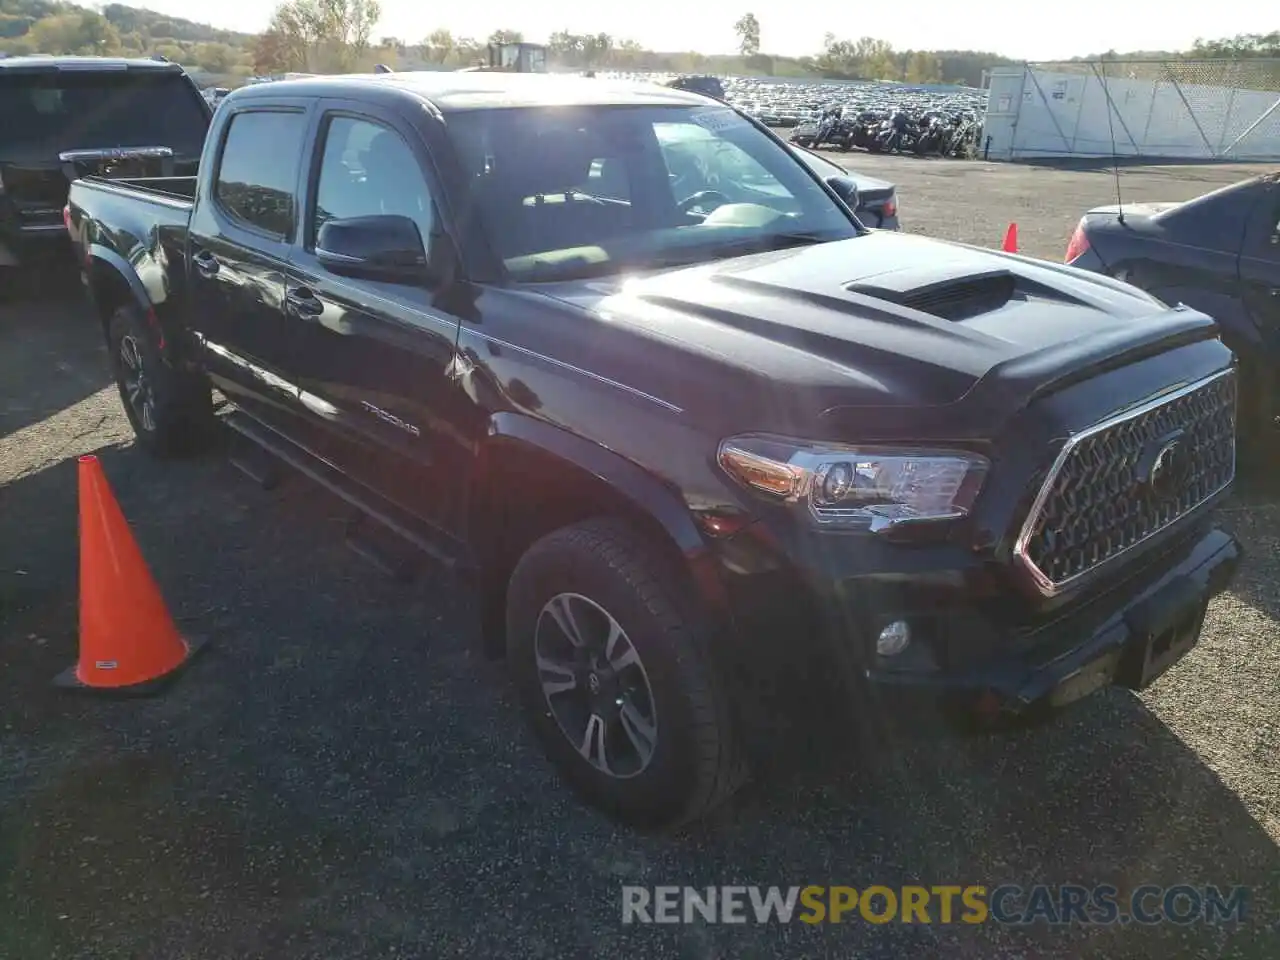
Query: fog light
(893, 639)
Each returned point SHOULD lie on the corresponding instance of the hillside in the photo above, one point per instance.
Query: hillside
(228, 57)
(41, 26)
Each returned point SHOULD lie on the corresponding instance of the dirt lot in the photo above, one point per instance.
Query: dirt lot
(338, 777)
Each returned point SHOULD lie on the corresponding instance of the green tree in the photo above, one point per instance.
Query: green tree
(506, 36)
(748, 30)
(923, 67)
(83, 33)
(596, 49)
(215, 57)
(321, 36)
(272, 53)
(439, 46)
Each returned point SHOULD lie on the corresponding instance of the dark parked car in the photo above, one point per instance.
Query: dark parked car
(877, 199)
(663, 428)
(707, 86)
(65, 117)
(1218, 253)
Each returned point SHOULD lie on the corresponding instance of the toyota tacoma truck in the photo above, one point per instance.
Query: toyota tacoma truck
(67, 117)
(662, 415)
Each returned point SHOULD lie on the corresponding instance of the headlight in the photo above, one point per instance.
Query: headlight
(857, 487)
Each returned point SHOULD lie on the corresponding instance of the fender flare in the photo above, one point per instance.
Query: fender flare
(644, 491)
(639, 489)
(100, 255)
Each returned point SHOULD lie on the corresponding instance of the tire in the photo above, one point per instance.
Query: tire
(601, 569)
(171, 412)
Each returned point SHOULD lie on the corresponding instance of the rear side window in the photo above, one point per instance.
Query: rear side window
(259, 170)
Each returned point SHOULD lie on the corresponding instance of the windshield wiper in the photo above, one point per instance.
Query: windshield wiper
(546, 271)
(736, 248)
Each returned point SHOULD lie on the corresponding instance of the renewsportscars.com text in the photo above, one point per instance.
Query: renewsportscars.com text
(1007, 904)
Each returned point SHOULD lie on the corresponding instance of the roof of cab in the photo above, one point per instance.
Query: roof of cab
(37, 62)
(463, 90)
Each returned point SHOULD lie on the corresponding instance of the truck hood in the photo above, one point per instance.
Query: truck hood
(887, 321)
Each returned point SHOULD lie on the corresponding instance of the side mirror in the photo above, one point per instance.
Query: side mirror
(846, 190)
(383, 247)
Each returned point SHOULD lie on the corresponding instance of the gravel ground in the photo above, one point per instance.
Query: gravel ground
(338, 776)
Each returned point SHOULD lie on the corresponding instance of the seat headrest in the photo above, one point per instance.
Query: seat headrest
(549, 163)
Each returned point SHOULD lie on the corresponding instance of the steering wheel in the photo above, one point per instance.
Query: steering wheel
(701, 197)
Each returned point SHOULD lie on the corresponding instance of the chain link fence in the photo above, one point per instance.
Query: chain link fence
(1187, 109)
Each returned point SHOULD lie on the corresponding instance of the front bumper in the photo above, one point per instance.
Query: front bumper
(1127, 638)
(977, 648)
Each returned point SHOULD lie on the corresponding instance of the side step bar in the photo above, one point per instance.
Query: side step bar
(371, 505)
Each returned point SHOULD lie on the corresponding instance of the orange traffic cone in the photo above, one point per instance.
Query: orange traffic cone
(1010, 244)
(128, 641)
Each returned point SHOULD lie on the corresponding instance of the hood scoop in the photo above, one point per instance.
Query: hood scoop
(948, 298)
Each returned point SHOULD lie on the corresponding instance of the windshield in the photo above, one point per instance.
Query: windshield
(584, 191)
(45, 113)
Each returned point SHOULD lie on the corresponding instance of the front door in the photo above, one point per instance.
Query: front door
(241, 230)
(374, 357)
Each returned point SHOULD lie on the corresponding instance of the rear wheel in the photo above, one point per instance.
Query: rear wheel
(170, 410)
(617, 679)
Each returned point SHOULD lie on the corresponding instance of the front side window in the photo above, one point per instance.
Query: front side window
(578, 191)
(258, 173)
(366, 170)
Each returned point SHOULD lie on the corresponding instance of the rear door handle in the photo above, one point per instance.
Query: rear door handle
(303, 302)
(206, 263)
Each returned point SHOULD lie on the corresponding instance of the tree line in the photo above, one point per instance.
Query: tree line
(326, 36)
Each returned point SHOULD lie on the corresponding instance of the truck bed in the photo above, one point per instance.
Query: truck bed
(143, 221)
(171, 188)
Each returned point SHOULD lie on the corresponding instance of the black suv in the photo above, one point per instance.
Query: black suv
(666, 406)
(66, 117)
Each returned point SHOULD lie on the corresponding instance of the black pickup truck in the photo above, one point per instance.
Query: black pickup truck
(662, 417)
(67, 117)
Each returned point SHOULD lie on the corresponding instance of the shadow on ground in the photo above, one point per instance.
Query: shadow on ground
(338, 776)
(52, 356)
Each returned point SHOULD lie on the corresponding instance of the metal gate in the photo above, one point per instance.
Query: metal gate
(1185, 109)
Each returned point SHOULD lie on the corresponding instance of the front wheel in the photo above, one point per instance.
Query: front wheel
(170, 410)
(617, 679)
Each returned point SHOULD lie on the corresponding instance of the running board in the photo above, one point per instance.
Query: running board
(370, 504)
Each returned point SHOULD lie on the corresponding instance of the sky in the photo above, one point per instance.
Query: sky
(1013, 28)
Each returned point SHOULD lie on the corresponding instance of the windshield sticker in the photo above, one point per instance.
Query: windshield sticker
(717, 119)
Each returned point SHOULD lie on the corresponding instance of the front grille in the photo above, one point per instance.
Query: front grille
(1126, 479)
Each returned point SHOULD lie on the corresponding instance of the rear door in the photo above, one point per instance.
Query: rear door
(373, 357)
(242, 226)
(64, 120)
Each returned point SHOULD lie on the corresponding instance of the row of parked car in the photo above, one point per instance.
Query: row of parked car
(670, 409)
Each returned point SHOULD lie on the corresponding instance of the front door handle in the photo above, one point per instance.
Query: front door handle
(206, 263)
(303, 302)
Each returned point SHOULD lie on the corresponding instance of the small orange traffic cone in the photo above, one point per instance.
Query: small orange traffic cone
(128, 642)
(1010, 244)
